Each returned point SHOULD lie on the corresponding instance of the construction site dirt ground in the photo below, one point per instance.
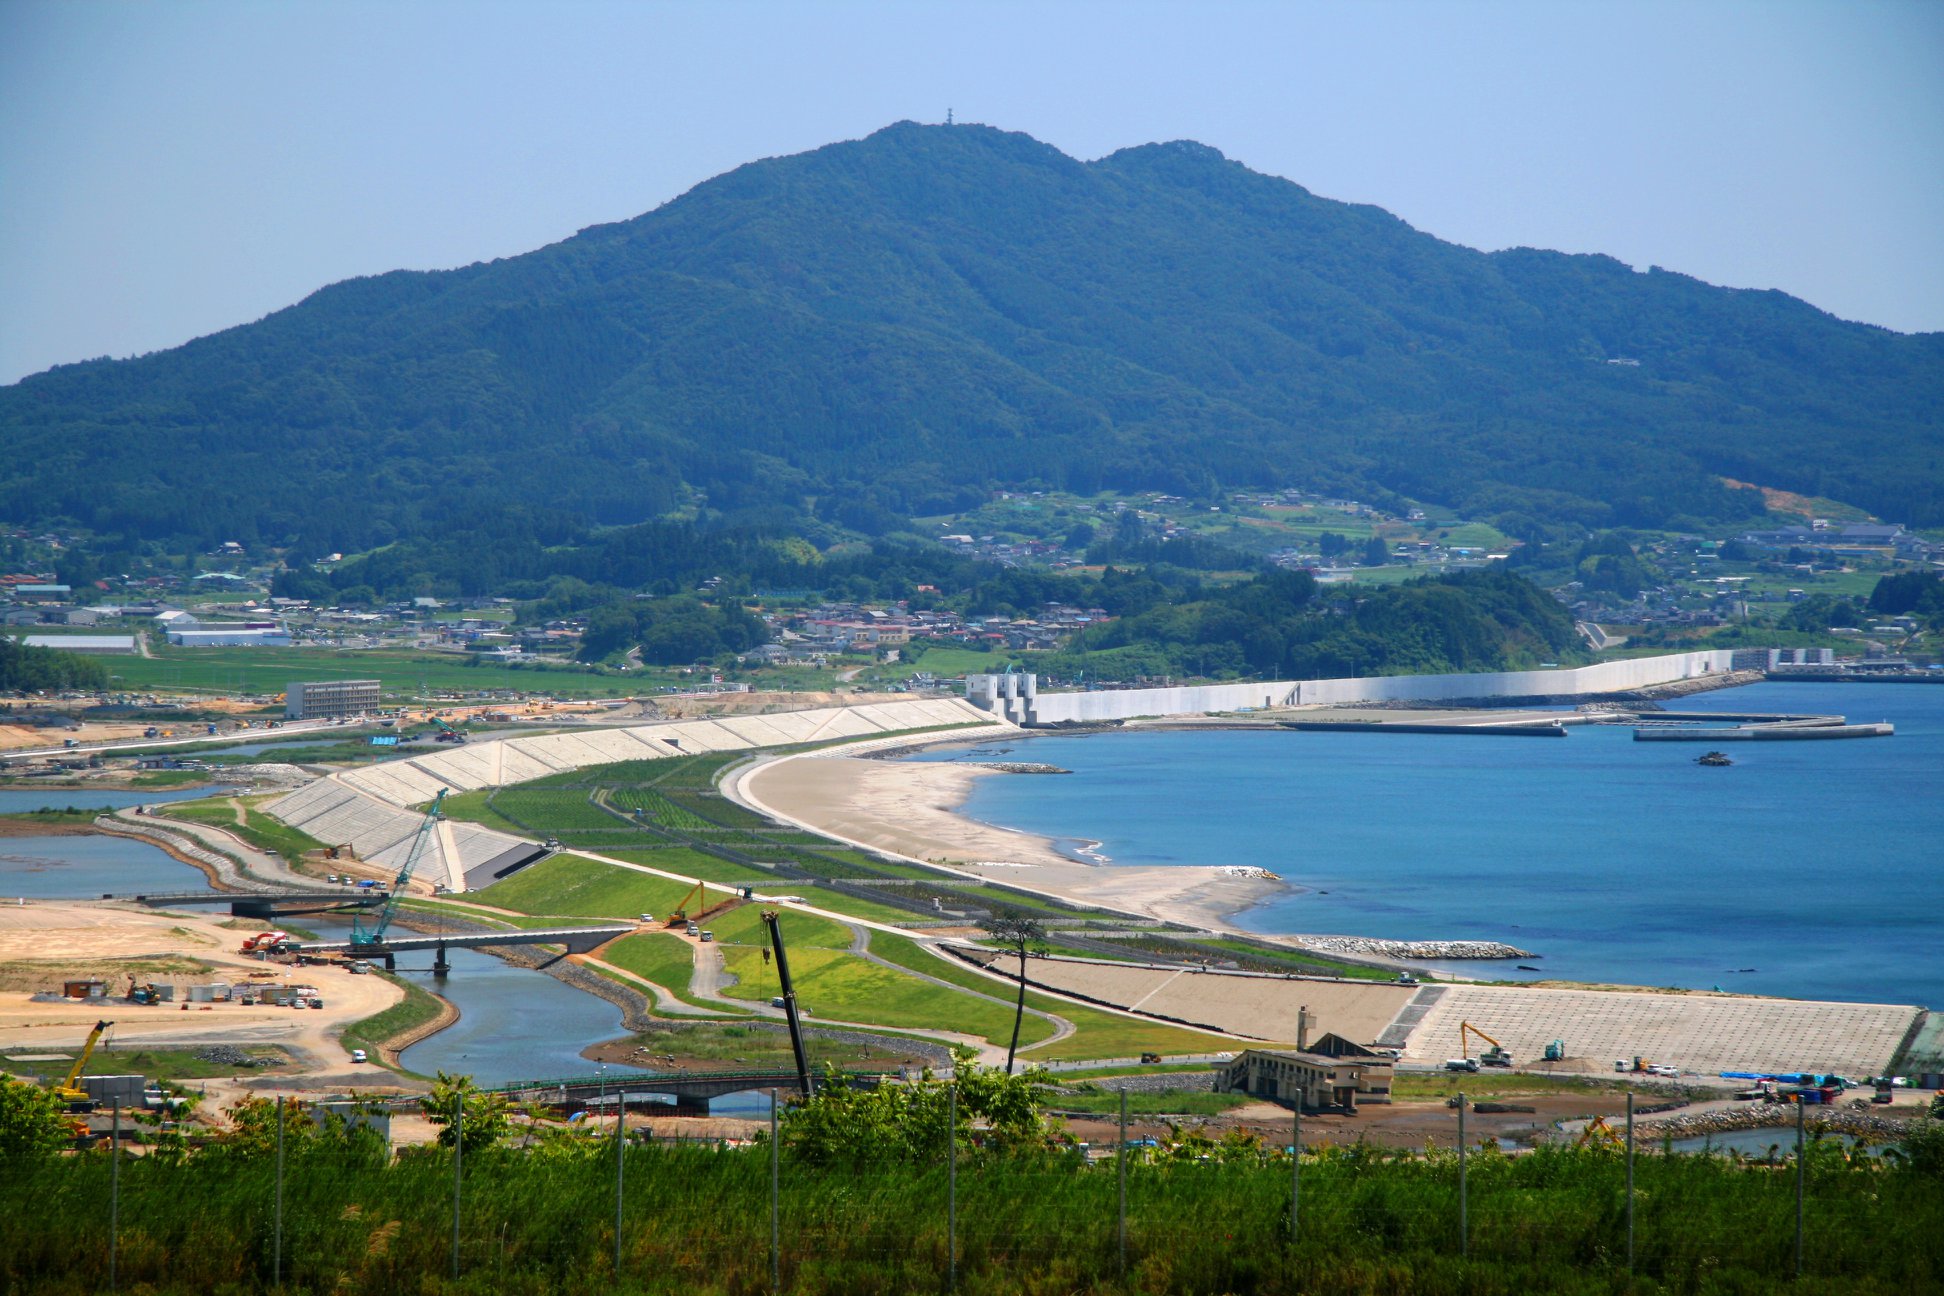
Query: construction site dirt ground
(44, 943)
(1410, 1124)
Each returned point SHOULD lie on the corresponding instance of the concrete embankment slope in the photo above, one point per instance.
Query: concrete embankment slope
(371, 808)
(1700, 1033)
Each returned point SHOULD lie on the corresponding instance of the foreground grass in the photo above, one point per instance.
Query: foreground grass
(698, 1220)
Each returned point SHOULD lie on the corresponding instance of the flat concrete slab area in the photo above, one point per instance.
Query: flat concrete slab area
(1700, 1033)
(1260, 1007)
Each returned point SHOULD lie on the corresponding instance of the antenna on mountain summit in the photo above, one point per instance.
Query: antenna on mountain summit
(948, 116)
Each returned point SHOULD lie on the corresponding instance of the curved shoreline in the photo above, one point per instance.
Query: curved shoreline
(912, 811)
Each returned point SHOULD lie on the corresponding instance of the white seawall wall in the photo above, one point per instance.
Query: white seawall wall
(1125, 704)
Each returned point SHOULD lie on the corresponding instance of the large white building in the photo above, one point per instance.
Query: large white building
(241, 637)
(89, 645)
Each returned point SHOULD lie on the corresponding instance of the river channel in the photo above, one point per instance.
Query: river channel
(25, 800)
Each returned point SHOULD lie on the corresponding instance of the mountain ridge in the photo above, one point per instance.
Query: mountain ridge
(903, 321)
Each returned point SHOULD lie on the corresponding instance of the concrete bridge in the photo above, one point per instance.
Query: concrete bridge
(265, 904)
(691, 1091)
(578, 940)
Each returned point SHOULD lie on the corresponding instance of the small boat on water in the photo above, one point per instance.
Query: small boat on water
(1713, 758)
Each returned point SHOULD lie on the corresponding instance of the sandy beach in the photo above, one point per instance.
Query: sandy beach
(911, 808)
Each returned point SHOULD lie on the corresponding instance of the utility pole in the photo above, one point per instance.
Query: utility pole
(1295, 1163)
(789, 1001)
(1464, 1222)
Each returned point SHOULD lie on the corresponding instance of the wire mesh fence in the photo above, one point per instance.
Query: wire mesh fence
(336, 1211)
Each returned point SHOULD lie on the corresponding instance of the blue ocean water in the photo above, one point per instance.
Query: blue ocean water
(1812, 869)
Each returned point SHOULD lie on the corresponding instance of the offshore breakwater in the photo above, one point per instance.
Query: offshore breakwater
(1778, 729)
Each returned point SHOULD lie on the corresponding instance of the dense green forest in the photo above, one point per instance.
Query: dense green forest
(1281, 625)
(28, 669)
(887, 327)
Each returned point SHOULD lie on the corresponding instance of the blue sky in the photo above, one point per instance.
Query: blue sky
(170, 169)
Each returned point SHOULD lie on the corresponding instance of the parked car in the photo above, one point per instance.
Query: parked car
(358, 1055)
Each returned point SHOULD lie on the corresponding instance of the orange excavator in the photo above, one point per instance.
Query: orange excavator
(699, 895)
(1495, 1056)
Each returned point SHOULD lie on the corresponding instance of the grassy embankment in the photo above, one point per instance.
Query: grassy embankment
(375, 1033)
(257, 827)
(1097, 1034)
(175, 1065)
(1174, 1102)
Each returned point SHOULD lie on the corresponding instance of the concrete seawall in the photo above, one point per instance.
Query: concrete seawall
(1023, 705)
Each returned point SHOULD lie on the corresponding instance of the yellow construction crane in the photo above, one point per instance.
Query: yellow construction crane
(1493, 1056)
(69, 1090)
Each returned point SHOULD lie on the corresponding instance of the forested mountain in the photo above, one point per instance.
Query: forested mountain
(890, 326)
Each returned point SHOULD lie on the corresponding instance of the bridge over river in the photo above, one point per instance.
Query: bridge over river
(690, 1090)
(577, 940)
(264, 904)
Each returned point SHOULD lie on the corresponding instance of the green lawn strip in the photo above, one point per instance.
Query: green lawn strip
(744, 926)
(664, 959)
(1177, 1102)
(1118, 1072)
(169, 779)
(698, 864)
(849, 905)
(414, 1010)
(1096, 1033)
(1442, 1084)
(258, 829)
(173, 1064)
(1014, 900)
(574, 886)
(516, 922)
(838, 986)
(53, 814)
(270, 670)
(1291, 959)
(889, 868)
(207, 810)
(472, 807)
